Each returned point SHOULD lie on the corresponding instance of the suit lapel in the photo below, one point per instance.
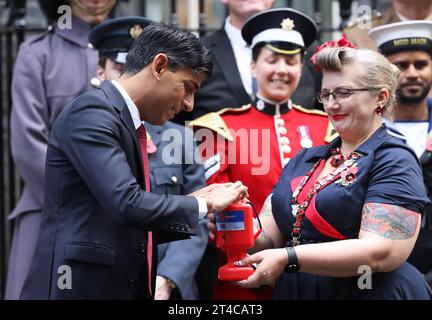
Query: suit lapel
(119, 104)
(224, 57)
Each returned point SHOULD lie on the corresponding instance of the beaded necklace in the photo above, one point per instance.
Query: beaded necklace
(299, 210)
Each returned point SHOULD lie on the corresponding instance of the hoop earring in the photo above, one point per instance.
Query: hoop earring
(379, 110)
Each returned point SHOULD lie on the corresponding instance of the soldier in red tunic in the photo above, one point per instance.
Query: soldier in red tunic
(253, 143)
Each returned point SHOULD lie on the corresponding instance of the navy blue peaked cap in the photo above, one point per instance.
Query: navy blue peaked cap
(113, 37)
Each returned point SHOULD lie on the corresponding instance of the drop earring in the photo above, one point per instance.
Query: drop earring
(379, 110)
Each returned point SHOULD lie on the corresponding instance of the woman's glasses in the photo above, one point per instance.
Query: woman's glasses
(339, 93)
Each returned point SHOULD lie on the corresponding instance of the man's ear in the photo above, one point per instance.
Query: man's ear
(159, 65)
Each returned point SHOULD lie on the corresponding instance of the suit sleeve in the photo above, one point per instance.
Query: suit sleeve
(29, 121)
(91, 141)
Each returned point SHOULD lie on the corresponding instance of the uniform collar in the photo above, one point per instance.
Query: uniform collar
(365, 148)
(271, 108)
(77, 34)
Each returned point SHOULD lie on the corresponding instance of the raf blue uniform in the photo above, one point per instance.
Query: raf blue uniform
(50, 70)
(388, 172)
(178, 260)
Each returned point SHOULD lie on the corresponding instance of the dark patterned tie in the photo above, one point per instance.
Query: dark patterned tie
(142, 137)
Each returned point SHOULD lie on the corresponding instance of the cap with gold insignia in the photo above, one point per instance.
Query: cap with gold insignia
(285, 26)
(409, 35)
(113, 37)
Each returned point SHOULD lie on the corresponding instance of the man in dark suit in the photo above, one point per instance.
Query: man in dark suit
(181, 174)
(99, 227)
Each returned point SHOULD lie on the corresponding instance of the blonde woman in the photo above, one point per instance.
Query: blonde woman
(350, 208)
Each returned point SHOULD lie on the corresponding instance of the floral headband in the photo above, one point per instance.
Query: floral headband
(342, 42)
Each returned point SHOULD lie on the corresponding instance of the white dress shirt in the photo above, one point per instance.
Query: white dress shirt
(242, 53)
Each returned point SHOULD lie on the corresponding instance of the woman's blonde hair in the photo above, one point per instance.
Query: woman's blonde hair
(378, 73)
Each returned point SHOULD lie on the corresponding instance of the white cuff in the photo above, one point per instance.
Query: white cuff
(202, 207)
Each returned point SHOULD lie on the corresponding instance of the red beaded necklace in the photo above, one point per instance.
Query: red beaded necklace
(299, 210)
(337, 158)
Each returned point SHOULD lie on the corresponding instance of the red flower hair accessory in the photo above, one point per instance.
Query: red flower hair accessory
(342, 42)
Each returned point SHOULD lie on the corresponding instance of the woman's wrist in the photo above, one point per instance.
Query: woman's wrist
(292, 265)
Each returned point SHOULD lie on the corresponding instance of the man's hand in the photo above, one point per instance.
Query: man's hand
(219, 196)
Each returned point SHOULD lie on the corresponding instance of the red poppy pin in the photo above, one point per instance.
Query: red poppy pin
(348, 176)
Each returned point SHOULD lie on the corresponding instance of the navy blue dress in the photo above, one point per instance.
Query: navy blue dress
(388, 172)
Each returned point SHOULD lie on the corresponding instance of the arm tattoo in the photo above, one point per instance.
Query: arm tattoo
(267, 207)
(389, 221)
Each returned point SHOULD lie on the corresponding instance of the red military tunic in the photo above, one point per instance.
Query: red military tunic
(253, 144)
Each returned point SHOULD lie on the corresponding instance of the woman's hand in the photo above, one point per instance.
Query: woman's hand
(270, 264)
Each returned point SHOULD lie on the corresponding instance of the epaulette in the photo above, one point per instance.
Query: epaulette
(241, 109)
(212, 121)
(40, 36)
(311, 111)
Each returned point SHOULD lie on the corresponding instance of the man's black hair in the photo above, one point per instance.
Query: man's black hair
(183, 49)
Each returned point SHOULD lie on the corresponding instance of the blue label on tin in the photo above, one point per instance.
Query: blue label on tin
(230, 220)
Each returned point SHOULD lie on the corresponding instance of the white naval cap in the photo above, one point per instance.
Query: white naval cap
(282, 25)
(403, 36)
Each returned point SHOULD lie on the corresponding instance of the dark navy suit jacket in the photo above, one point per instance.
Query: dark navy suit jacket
(96, 212)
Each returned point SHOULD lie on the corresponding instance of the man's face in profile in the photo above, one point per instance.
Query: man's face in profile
(175, 92)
